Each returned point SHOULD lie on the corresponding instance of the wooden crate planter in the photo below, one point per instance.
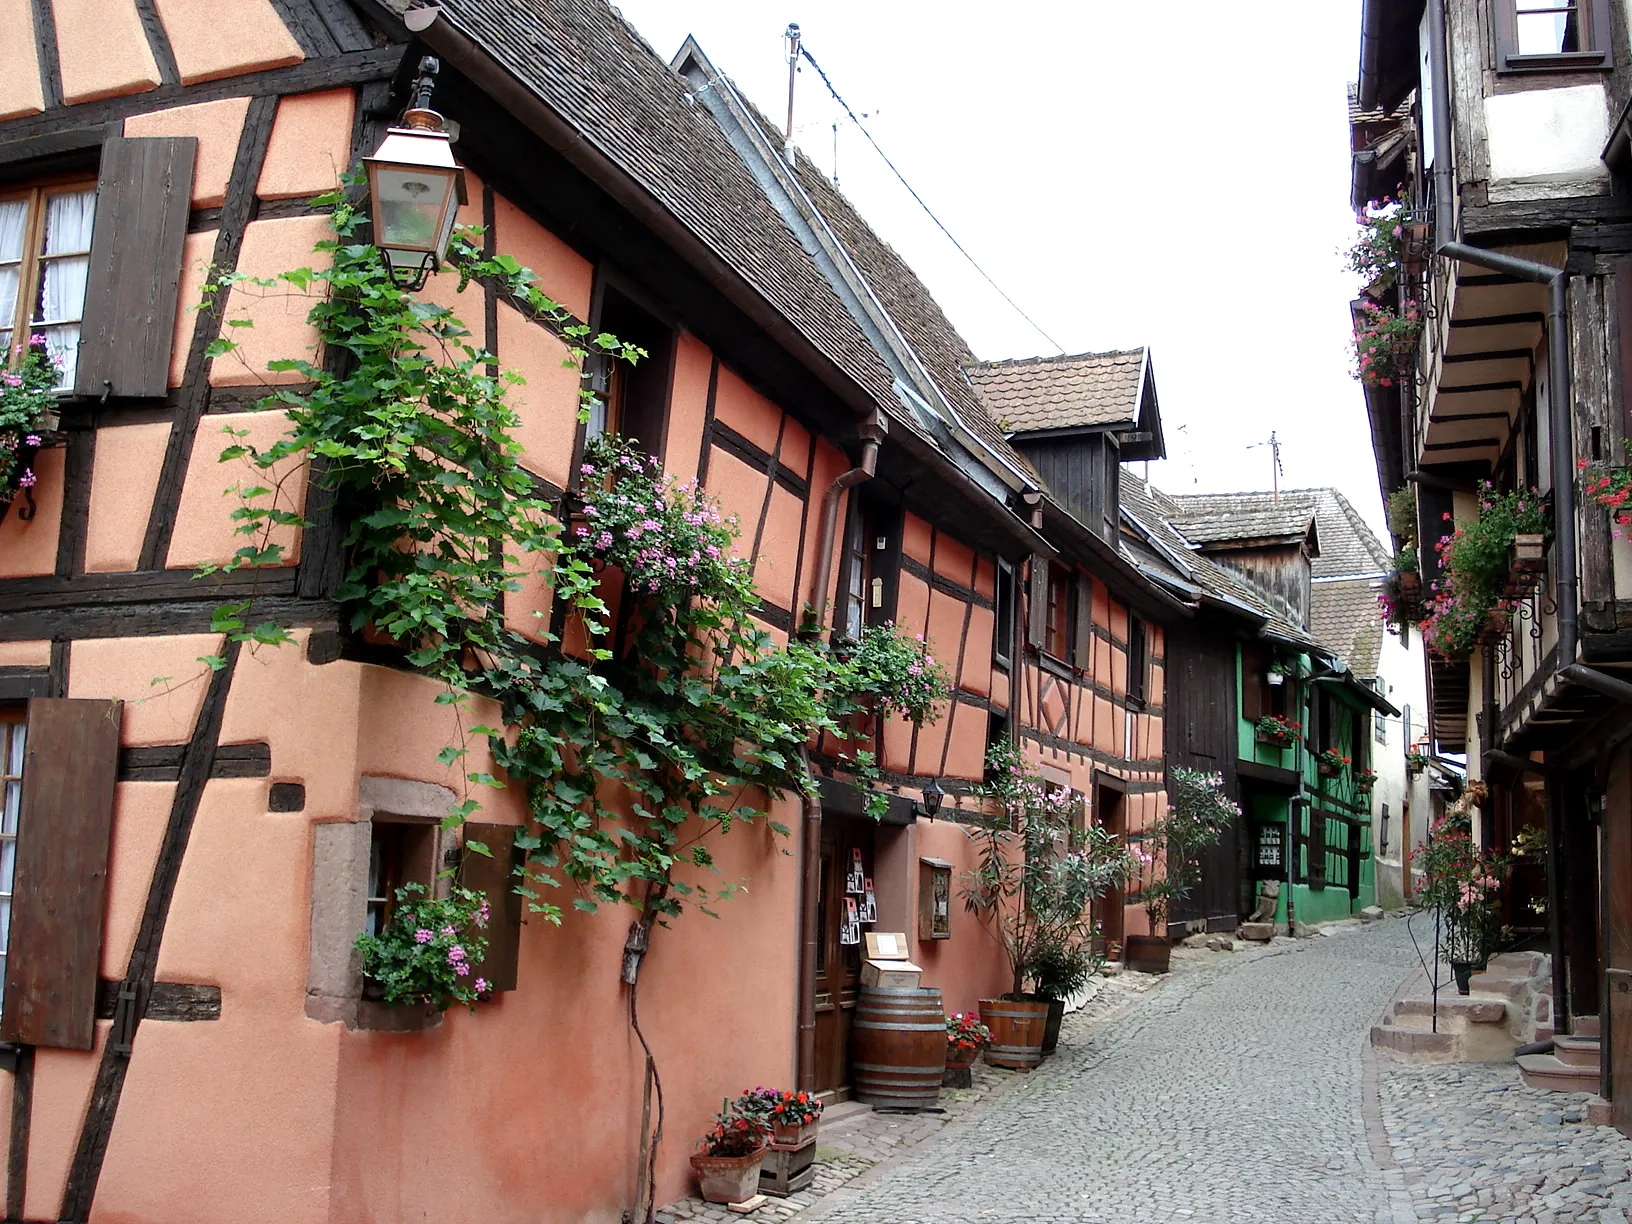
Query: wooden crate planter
(1526, 565)
(1282, 742)
(789, 1169)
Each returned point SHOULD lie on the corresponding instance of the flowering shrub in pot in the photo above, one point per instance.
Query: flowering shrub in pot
(1475, 559)
(1277, 731)
(28, 411)
(966, 1037)
(1462, 883)
(1381, 245)
(430, 951)
(1331, 763)
(793, 1117)
(1365, 781)
(729, 1155)
(1167, 862)
(1385, 343)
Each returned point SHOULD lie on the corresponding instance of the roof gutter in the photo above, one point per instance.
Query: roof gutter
(439, 32)
(1371, 41)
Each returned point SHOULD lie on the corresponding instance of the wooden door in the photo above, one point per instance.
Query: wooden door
(838, 965)
(1110, 814)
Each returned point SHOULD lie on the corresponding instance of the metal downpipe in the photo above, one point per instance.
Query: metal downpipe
(810, 842)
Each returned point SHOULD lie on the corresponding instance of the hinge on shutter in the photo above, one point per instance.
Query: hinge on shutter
(125, 1014)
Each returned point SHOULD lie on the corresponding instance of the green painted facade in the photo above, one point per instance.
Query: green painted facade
(1333, 868)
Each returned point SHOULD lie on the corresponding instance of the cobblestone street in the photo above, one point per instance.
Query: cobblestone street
(1240, 1089)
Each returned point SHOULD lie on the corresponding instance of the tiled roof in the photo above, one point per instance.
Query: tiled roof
(1347, 545)
(589, 66)
(1344, 617)
(1208, 518)
(1154, 511)
(1038, 393)
(1400, 113)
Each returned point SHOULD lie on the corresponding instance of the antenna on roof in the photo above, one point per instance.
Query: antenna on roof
(1275, 469)
(790, 42)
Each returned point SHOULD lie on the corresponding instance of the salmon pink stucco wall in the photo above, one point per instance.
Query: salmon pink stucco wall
(123, 481)
(310, 145)
(217, 126)
(29, 546)
(20, 90)
(102, 49)
(207, 47)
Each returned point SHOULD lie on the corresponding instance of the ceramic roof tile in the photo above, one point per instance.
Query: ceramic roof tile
(1345, 618)
(588, 65)
(1041, 393)
(1347, 546)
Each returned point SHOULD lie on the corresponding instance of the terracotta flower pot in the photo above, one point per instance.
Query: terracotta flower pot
(786, 1136)
(1149, 953)
(957, 1059)
(728, 1179)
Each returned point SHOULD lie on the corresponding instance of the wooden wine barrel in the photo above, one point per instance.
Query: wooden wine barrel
(898, 1040)
(1017, 1032)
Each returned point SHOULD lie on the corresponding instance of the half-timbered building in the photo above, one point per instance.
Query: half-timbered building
(189, 852)
(1508, 129)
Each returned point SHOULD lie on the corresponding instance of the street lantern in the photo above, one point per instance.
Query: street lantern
(415, 188)
(932, 797)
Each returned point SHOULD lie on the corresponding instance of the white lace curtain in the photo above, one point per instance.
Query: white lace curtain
(13, 220)
(65, 264)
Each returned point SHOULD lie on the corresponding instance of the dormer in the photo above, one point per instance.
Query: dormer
(1077, 419)
(1270, 539)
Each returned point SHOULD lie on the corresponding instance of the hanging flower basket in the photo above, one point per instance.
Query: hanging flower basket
(1495, 628)
(1364, 782)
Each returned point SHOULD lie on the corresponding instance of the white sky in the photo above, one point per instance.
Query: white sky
(1130, 172)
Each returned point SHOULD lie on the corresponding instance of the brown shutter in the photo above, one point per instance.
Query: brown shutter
(495, 877)
(143, 193)
(60, 891)
(1252, 684)
(1083, 654)
(1037, 608)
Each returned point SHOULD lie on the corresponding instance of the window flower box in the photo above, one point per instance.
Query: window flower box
(1526, 565)
(1277, 732)
(1331, 763)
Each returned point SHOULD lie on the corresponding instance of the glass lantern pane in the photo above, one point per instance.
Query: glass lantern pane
(409, 206)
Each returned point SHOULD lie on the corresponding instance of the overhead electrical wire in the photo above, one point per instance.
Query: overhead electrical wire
(929, 212)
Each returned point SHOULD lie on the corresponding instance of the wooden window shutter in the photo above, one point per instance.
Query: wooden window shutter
(60, 889)
(495, 878)
(1252, 684)
(143, 194)
(1083, 640)
(1037, 609)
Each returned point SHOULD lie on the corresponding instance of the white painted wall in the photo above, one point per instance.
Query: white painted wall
(1550, 137)
(1405, 684)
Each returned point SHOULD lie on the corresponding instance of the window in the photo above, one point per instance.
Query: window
(1003, 628)
(399, 852)
(1536, 35)
(632, 399)
(1057, 639)
(12, 731)
(45, 260)
(855, 578)
(1136, 660)
(867, 580)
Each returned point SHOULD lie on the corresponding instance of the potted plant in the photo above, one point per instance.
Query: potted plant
(1385, 343)
(1365, 781)
(1478, 588)
(1330, 763)
(1402, 517)
(1167, 862)
(794, 1118)
(1033, 887)
(1375, 255)
(966, 1037)
(1062, 963)
(1276, 731)
(1416, 761)
(1279, 670)
(430, 951)
(1461, 882)
(28, 412)
(729, 1155)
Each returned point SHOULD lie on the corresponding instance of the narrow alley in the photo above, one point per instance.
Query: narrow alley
(1244, 1090)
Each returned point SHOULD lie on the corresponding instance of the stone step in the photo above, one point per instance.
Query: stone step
(1516, 964)
(1473, 1009)
(1584, 1026)
(1413, 1043)
(1547, 1073)
(1577, 1051)
(1600, 1112)
(1498, 984)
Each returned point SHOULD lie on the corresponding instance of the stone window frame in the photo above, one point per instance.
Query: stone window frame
(341, 856)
